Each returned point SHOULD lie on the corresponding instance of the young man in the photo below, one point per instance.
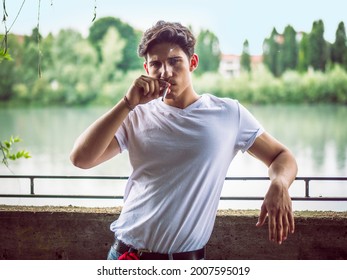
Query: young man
(180, 147)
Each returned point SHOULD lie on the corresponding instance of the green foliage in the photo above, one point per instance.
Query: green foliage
(337, 81)
(72, 75)
(318, 51)
(281, 51)
(98, 30)
(303, 59)
(245, 57)
(6, 148)
(289, 49)
(302, 51)
(339, 48)
(271, 48)
(4, 55)
(112, 91)
(261, 87)
(207, 46)
(8, 68)
(112, 46)
(79, 71)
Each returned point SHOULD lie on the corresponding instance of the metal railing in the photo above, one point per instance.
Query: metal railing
(33, 178)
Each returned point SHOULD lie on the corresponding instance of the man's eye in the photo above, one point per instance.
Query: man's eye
(173, 60)
(155, 64)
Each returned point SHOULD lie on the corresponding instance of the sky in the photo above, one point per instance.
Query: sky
(233, 21)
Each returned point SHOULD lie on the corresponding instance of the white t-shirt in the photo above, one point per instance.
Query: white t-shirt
(180, 158)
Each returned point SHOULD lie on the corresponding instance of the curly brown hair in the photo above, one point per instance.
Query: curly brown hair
(167, 32)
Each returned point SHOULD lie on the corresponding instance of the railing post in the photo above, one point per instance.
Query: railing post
(32, 186)
(307, 188)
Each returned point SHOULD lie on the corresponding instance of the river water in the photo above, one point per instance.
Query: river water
(317, 135)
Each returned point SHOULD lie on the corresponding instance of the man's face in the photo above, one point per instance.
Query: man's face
(169, 62)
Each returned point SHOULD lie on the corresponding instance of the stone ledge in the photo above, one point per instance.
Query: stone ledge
(80, 233)
(117, 210)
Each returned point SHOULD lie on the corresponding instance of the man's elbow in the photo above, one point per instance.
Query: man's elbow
(78, 161)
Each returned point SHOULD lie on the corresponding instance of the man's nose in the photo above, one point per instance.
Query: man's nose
(165, 71)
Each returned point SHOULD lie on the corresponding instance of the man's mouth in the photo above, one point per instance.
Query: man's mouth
(166, 85)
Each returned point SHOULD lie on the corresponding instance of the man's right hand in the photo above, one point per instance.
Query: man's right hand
(144, 89)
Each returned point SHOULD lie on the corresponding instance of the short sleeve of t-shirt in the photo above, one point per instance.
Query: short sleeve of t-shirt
(249, 129)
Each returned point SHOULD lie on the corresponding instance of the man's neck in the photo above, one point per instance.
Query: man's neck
(184, 100)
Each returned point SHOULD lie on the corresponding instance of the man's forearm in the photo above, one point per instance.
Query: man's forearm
(94, 141)
(283, 168)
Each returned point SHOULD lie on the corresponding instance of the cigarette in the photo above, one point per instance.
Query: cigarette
(165, 92)
(166, 87)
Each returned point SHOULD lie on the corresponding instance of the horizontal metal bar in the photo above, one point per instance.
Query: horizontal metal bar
(319, 198)
(60, 196)
(293, 198)
(63, 177)
(121, 197)
(319, 178)
(33, 195)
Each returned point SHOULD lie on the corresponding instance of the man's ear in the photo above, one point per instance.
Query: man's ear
(194, 61)
(146, 67)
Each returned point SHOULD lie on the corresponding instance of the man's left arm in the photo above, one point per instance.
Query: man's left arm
(277, 203)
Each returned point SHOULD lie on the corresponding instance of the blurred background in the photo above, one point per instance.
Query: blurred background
(64, 63)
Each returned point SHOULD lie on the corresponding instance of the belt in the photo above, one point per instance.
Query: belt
(122, 248)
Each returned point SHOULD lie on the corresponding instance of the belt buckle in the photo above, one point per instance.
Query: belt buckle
(141, 251)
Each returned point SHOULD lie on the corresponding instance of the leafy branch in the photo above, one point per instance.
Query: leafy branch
(4, 44)
(4, 55)
(6, 148)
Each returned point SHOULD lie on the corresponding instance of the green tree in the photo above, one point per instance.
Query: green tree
(271, 49)
(289, 50)
(303, 53)
(207, 47)
(32, 85)
(31, 58)
(98, 30)
(111, 46)
(9, 69)
(339, 47)
(73, 75)
(318, 49)
(245, 57)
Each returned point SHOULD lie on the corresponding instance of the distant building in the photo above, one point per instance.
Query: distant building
(230, 64)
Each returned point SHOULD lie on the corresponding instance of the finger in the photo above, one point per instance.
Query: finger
(279, 228)
(285, 227)
(272, 228)
(153, 85)
(291, 222)
(262, 217)
(142, 84)
(156, 88)
(147, 84)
